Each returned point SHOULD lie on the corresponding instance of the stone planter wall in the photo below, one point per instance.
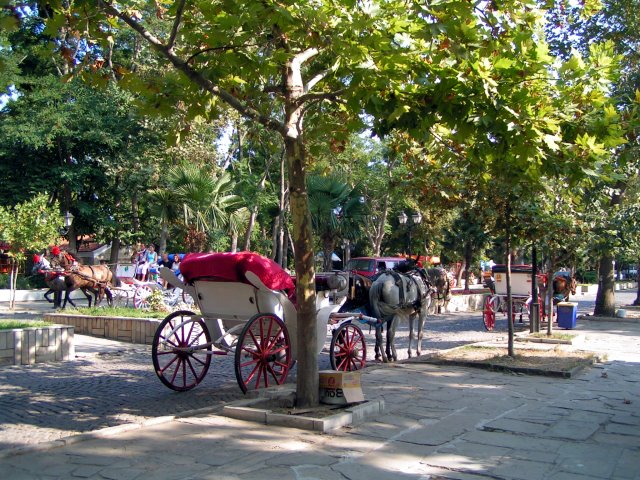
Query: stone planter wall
(124, 329)
(466, 302)
(26, 346)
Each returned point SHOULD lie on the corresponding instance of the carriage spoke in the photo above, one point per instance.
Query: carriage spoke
(187, 360)
(348, 348)
(265, 340)
(168, 340)
(162, 370)
(176, 370)
(184, 372)
(187, 368)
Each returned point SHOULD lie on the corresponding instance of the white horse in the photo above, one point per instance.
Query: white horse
(395, 296)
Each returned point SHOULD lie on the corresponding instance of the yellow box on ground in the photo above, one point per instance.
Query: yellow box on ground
(340, 388)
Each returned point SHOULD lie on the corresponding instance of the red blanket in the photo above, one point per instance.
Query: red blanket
(231, 267)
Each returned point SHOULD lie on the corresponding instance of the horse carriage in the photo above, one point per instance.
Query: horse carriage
(64, 275)
(247, 309)
(137, 293)
(563, 284)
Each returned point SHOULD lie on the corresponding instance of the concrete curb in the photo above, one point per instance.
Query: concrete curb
(506, 369)
(592, 318)
(351, 415)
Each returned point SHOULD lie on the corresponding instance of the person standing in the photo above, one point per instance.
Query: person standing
(139, 258)
(152, 262)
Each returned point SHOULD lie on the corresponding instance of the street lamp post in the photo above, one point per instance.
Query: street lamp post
(412, 221)
(68, 220)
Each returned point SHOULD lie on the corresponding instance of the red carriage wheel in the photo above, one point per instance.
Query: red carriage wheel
(263, 353)
(489, 312)
(141, 296)
(348, 351)
(181, 350)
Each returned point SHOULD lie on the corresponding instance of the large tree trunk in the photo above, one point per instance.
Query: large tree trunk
(250, 226)
(605, 298)
(510, 349)
(468, 260)
(115, 253)
(307, 378)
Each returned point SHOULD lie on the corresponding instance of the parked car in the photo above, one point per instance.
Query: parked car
(369, 266)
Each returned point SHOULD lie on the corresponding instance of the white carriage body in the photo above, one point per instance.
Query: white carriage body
(520, 283)
(227, 306)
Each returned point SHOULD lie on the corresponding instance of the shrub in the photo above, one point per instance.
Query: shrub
(23, 282)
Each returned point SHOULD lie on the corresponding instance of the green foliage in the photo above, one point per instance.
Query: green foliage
(156, 302)
(23, 282)
(30, 226)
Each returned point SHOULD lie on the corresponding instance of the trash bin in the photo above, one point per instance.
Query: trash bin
(567, 312)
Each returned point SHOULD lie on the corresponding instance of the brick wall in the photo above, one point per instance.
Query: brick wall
(124, 329)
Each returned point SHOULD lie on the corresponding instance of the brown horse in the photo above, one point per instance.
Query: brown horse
(95, 279)
(563, 285)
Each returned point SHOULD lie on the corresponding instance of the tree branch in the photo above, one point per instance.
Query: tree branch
(312, 83)
(221, 47)
(311, 97)
(193, 75)
(305, 55)
(176, 25)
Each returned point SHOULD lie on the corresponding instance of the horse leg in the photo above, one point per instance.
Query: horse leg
(87, 294)
(109, 295)
(57, 298)
(47, 293)
(378, 347)
(391, 335)
(67, 295)
(411, 319)
(422, 317)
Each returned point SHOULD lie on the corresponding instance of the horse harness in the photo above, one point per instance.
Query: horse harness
(398, 281)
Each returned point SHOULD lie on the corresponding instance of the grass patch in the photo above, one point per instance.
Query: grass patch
(554, 335)
(115, 312)
(13, 324)
(536, 361)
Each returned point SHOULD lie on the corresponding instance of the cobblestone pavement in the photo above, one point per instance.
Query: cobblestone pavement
(116, 386)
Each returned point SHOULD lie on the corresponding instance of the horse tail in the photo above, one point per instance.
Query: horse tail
(375, 296)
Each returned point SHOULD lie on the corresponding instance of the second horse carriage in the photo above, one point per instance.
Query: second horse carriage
(562, 284)
(247, 309)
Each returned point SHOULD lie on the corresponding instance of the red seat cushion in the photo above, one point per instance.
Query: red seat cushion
(231, 267)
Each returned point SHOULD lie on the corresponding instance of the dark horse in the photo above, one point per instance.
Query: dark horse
(395, 296)
(441, 295)
(53, 277)
(94, 279)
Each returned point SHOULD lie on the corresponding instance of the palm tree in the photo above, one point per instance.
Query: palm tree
(165, 205)
(337, 212)
(208, 201)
